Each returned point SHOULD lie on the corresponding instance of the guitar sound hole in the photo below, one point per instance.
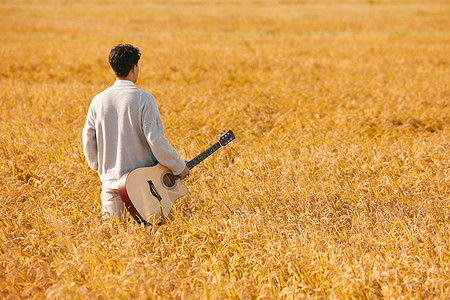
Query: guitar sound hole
(169, 180)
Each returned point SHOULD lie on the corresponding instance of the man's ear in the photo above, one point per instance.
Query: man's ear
(134, 72)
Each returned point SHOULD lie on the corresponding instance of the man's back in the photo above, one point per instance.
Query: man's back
(128, 130)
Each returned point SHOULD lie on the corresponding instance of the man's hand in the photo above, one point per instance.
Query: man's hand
(184, 173)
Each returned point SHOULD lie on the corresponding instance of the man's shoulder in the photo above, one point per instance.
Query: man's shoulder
(103, 93)
(146, 96)
(145, 93)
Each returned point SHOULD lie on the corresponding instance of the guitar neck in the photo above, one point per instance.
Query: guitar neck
(202, 156)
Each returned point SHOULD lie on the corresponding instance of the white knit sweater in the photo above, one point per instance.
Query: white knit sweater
(124, 131)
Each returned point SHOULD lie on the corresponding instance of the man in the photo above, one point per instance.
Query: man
(124, 131)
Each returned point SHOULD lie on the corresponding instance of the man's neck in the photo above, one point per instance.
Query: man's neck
(125, 78)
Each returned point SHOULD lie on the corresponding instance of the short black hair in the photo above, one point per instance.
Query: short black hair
(122, 58)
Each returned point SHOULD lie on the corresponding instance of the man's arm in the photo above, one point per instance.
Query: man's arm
(163, 152)
(90, 142)
(154, 133)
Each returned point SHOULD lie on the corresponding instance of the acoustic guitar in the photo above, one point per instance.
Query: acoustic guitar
(150, 192)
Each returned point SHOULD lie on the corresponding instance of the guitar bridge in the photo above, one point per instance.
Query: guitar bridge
(154, 191)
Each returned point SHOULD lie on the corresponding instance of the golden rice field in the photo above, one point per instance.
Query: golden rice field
(337, 186)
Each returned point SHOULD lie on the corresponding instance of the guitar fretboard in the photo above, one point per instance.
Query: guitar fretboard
(202, 156)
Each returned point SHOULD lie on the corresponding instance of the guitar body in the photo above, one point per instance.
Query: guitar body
(150, 192)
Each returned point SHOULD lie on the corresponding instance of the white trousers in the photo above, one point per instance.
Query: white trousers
(112, 203)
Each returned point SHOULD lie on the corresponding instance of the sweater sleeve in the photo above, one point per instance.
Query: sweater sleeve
(90, 141)
(154, 133)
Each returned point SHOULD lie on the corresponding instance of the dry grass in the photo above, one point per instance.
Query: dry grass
(337, 186)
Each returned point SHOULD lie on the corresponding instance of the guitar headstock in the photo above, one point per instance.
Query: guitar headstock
(226, 137)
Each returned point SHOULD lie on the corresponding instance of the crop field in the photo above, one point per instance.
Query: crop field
(337, 185)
